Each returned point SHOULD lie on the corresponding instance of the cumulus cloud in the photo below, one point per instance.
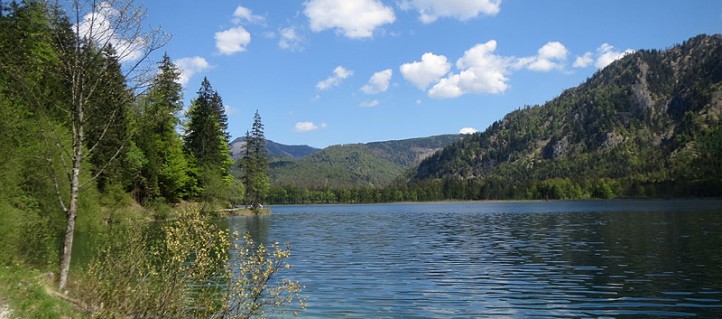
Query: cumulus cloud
(605, 55)
(289, 39)
(339, 74)
(430, 69)
(189, 66)
(354, 19)
(468, 130)
(236, 39)
(583, 61)
(233, 40)
(549, 57)
(98, 25)
(243, 14)
(378, 83)
(303, 127)
(432, 10)
(370, 103)
(482, 71)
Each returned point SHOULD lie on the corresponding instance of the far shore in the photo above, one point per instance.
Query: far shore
(453, 201)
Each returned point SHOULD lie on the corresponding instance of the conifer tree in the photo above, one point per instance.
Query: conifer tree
(255, 165)
(206, 139)
(165, 172)
(108, 120)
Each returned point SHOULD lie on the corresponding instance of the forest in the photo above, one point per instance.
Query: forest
(96, 140)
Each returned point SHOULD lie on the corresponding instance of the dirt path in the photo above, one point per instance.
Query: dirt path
(4, 310)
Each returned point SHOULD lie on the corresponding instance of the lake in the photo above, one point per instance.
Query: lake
(566, 259)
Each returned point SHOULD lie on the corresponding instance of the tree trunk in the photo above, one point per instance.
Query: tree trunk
(72, 211)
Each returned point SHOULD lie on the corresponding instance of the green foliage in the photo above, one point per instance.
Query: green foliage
(164, 168)
(206, 138)
(356, 165)
(191, 269)
(254, 165)
(342, 166)
(206, 143)
(107, 131)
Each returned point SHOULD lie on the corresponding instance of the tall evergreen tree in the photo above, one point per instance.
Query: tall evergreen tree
(206, 139)
(108, 120)
(255, 165)
(165, 171)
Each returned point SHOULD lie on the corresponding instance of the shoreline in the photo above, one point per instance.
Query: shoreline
(480, 201)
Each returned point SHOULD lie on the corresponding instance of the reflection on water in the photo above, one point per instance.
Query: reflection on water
(619, 259)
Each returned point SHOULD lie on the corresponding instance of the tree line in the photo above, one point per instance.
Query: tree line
(84, 123)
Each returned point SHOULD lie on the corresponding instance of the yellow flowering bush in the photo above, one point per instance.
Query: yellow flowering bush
(190, 269)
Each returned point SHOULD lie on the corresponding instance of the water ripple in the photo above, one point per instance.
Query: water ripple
(543, 260)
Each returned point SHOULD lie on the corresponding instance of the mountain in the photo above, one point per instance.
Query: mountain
(646, 125)
(410, 152)
(238, 146)
(344, 166)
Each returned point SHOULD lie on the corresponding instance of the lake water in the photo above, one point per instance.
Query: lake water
(585, 259)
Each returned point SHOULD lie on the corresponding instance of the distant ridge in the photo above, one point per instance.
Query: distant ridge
(375, 164)
(274, 149)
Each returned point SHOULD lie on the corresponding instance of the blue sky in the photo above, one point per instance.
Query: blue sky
(325, 72)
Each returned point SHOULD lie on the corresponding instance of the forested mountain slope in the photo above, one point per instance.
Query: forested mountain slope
(646, 125)
(374, 164)
(238, 146)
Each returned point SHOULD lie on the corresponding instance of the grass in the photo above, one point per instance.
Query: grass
(28, 294)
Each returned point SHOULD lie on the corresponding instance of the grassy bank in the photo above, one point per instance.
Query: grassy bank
(28, 293)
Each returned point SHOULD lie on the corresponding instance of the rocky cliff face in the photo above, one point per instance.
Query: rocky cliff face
(648, 101)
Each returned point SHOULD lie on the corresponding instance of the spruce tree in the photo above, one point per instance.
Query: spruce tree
(165, 171)
(255, 165)
(108, 120)
(206, 139)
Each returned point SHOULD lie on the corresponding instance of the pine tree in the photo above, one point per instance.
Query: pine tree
(206, 139)
(108, 120)
(255, 165)
(165, 172)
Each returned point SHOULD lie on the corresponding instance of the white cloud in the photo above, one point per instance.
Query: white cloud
(303, 127)
(230, 110)
(583, 61)
(607, 55)
(378, 83)
(98, 25)
(232, 40)
(242, 14)
(190, 66)
(339, 74)
(604, 56)
(430, 69)
(431, 10)
(549, 57)
(468, 130)
(354, 19)
(482, 71)
(370, 103)
(290, 39)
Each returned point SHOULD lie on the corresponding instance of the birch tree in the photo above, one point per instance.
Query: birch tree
(96, 26)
